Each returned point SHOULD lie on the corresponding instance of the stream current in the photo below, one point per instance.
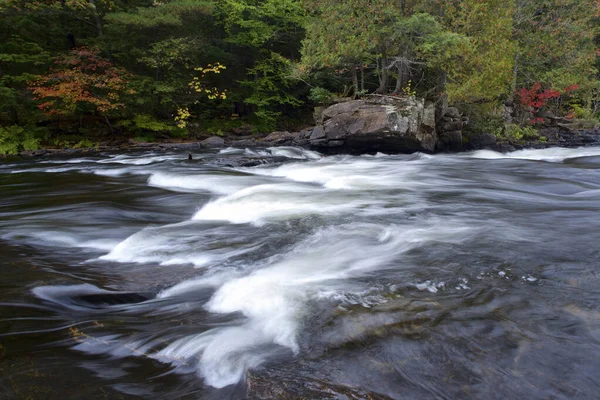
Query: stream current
(473, 275)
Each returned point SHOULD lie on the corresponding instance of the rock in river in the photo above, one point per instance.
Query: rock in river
(378, 123)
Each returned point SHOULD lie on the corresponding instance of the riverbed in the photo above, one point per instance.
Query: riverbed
(451, 276)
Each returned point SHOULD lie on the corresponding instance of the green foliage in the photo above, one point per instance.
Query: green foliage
(220, 125)
(145, 138)
(515, 132)
(408, 90)
(145, 124)
(581, 112)
(270, 79)
(483, 118)
(320, 96)
(171, 55)
(476, 53)
(171, 13)
(265, 121)
(485, 70)
(84, 144)
(14, 139)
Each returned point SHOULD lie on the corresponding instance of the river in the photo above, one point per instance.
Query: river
(418, 276)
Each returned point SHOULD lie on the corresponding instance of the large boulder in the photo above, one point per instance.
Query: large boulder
(378, 123)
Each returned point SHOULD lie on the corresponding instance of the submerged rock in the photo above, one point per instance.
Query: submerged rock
(378, 123)
(277, 384)
(245, 161)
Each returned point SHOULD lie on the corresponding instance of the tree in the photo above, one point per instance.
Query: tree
(81, 82)
(485, 71)
(342, 34)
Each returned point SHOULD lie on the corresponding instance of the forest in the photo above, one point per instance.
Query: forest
(78, 72)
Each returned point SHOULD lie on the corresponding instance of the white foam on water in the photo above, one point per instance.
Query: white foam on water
(71, 161)
(352, 174)
(120, 172)
(155, 245)
(54, 293)
(274, 299)
(275, 201)
(231, 150)
(552, 154)
(62, 239)
(282, 151)
(138, 160)
(54, 170)
(294, 152)
(212, 183)
(176, 244)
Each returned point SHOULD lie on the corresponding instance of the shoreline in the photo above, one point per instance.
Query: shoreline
(555, 138)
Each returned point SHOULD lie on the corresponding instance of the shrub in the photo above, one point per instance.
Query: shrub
(14, 139)
(516, 132)
(320, 96)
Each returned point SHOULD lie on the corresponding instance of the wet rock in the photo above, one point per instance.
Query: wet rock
(452, 126)
(502, 147)
(276, 384)
(281, 138)
(213, 142)
(449, 141)
(244, 130)
(378, 123)
(317, 133)
(243, 143)
(305, 134)
(33, 153)
(481, 141)
(243, 161)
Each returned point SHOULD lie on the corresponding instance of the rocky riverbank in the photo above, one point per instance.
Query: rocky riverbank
(375, 124)
(555, 137)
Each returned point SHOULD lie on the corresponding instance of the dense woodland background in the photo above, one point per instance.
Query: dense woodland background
(76, 72)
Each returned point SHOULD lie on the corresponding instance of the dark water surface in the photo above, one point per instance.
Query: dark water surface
(472, 276)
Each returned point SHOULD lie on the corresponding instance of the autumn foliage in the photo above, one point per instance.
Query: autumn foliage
(535, 98)
(81, 79)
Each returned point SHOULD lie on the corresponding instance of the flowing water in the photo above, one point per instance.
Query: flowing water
(408, 277)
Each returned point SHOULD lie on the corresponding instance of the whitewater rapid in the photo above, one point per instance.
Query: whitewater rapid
(265, 245)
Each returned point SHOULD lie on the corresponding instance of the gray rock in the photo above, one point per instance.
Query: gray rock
(317, 133)
(451, 126)
(213, 141)
(335, 143)
(305, 134)
(279, 138)
(450, 141)
(378, 123)
(452, 112)
(501, 147)
(482, 140)
(243, 143)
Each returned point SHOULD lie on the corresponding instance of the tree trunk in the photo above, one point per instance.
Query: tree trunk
(383, 80)
(442, 103)
(362, 79)
(509, 105)
(398, 88)
(354, 80)
(96, 17)
(513, 85)
(112, 131)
